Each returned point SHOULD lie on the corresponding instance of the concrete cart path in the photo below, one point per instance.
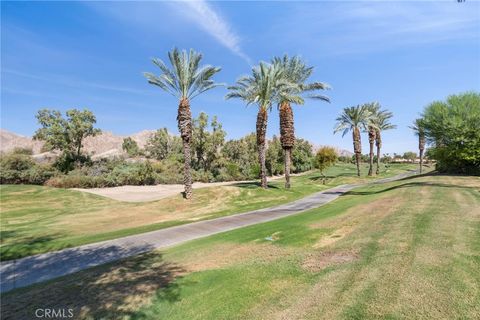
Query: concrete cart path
(29, 270)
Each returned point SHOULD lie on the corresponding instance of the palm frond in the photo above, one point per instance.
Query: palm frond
(351, 118)
(185, 78)
(295, 71)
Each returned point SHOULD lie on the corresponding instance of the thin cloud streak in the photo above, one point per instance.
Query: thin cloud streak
(75, 83)
(210, 21)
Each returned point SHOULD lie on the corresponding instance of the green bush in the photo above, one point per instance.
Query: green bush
(452, 130)
(202, 176)
(19, 168)
(132, 174)
(77, 181)
(17, 162)
(25, 151)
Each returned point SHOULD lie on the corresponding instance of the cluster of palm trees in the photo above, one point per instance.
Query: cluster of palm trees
(369, 118)
(281, 82)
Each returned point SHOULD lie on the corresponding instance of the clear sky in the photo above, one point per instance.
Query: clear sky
(64, 55)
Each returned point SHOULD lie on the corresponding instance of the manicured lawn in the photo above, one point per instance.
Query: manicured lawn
(38, 219)
(404, 250)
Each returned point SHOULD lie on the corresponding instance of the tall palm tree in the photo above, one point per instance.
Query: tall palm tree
(185, 80)
(296, 72)
(354, 119)
(374, 108)
(419, 130)
(382, 123)
(260, 88)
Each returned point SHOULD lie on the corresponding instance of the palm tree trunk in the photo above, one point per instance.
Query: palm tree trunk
(357, 148)
(261, 139)
(378, 143)
(287, 137)
(421, 147)
(184, 119)
(371, 140)
(288, 157)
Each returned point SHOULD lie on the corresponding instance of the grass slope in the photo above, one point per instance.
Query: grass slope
(405, 250)
(36, 219)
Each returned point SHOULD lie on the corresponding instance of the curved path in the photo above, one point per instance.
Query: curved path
(29, 270)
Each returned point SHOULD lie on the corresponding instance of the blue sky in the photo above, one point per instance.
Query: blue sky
(64, 55)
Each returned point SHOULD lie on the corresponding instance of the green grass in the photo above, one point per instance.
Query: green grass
(36, 219)
(413, 249)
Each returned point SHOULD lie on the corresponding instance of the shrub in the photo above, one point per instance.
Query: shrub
(77, 181)
(130, 146)
(233, 171)
(168, 171)
(451, 128)
(17, 162)
(25, 151)
(202, 176)
(132, 174)
(325, 157)
(18, 168)
(40, 173)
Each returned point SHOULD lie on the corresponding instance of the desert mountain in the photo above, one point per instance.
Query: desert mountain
(106, 144)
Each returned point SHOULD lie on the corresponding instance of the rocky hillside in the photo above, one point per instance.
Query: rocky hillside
(105, 143)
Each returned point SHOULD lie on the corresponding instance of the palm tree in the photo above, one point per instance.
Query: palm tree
(419, 130)
(374, 108)
(185, 80)
(260, 88)
(296, 73)
(382, 123)
(354, 119)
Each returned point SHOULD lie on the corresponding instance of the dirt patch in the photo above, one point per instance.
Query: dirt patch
(224, 255)
(359, 213)
(316, 262)
(334, 237)
(354, 217)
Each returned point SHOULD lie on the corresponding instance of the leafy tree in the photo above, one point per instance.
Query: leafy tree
(302, 155)
(354, 119)
(452, 129)
(260, 88)
(410, 156)
(296, 72)
(130, 146)
(66, 134)
(162, 145)
(241, 154)
(324, 158)
(207, 144)
(185, 80)
(274, 156)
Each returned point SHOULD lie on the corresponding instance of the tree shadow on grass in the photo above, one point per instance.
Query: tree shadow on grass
(112, 291)
(253, 185)
(346, 174)
(407, 185)
(22, 246)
